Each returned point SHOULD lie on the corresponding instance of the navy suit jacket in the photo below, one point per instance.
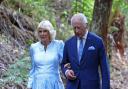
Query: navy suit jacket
(87, 71)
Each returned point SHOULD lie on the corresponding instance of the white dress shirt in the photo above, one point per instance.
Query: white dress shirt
(84, 40)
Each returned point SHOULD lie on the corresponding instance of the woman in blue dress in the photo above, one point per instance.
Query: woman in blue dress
(46, 55)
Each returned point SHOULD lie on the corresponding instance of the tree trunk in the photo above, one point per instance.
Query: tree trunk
(101, 13)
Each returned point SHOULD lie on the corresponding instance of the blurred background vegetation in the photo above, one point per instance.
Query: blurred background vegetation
(59, 13)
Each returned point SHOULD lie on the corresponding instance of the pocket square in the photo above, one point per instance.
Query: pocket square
(91, 48)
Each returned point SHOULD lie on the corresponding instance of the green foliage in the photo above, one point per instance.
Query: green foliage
(113, 29)
(29, 42)
(120, 4)
(122, 7)
(84, 6)
(37, 9)
(40, 10)
(64, 32)
(17, 73)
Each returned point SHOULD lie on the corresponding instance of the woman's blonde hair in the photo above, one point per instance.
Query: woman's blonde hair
(45, 24)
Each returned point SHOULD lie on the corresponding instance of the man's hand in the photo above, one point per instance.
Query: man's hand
(70, 75)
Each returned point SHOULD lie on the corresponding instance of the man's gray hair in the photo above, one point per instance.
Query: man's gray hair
(79, 16)
(45, 24)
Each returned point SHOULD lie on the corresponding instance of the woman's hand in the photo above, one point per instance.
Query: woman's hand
(67, 65)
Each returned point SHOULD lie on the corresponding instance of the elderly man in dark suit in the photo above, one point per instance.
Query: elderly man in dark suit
(85, 52)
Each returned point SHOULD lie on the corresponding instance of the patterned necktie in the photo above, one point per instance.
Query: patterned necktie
(80, 49)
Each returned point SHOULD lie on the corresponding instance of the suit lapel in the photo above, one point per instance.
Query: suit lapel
(74, 50)
(84, 54)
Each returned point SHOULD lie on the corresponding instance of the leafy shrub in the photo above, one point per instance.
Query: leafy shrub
(17, 73)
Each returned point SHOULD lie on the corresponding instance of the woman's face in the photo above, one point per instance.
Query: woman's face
(44, 35)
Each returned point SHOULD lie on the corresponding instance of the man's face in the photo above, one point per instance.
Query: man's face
(79, 28)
